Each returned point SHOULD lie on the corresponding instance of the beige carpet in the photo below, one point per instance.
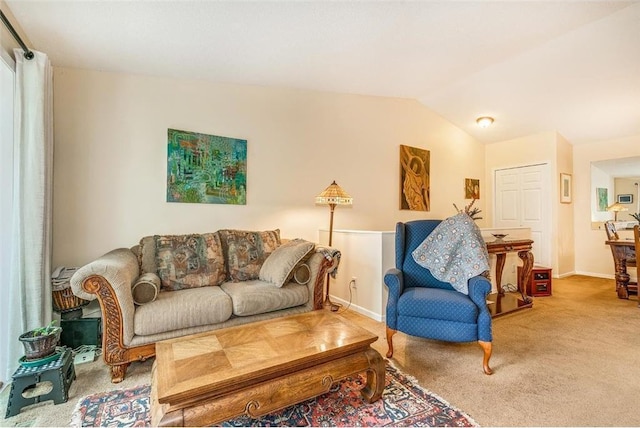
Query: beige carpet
(572, 360)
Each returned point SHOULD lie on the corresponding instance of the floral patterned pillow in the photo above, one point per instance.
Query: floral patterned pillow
(246, 251)
(189, 261)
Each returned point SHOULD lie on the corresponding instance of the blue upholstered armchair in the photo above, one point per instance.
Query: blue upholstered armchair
(420, 305)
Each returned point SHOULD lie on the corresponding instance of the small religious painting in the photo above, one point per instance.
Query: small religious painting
(471, 188)
(206, 169)
(414, 179)
(602, 195)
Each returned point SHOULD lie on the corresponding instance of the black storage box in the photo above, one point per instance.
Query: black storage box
(81, 331)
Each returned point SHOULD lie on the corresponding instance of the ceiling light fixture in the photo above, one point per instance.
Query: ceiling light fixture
(484, 121)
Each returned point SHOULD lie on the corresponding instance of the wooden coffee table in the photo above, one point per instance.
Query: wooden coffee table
(259, 368)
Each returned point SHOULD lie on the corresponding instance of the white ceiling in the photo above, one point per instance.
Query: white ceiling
(571, 66)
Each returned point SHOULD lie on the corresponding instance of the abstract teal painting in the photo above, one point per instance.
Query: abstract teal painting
(206, 169)
(602, 195)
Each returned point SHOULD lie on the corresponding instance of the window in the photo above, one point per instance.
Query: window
(7, 79)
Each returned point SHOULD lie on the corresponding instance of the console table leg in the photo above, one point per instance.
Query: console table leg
(500, 259)
(527, 266)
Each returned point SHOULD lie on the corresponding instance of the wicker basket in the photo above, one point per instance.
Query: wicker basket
(64, 300)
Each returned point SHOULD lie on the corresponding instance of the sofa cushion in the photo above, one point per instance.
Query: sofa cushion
(257, 297)
(189, 261)
(182, 309)
(278, 268)
(436, 303)
(246, 251)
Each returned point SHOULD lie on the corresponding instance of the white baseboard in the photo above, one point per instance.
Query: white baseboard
(597, 275)
(564, 275)
(359, 309)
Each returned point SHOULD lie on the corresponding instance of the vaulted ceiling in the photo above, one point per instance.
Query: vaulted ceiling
(566, 66)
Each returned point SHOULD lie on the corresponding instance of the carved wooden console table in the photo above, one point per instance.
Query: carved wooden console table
(500, 248)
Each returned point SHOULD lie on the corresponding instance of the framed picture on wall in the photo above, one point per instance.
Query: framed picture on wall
(602, 198)
(565, 188)
(625, 199)
(471, 188)
(414, 178)
(206, 169)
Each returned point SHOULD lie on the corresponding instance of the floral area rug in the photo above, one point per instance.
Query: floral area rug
(403, 403)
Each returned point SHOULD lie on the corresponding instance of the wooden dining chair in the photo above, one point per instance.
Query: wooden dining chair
(636, 237)
(610, 228)
(630, 254)
(624, 256)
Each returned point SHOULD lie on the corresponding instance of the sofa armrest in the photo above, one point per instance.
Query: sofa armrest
(323, 261)
(394, 280)
(109, 279)
(479, 289)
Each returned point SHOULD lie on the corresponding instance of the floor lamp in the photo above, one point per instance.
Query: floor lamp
(332, 196)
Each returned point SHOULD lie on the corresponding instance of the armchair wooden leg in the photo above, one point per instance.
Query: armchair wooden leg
(118, 372)
(486, 347)
(390, 333)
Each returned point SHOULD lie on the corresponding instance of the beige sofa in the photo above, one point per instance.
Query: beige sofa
(205, 282)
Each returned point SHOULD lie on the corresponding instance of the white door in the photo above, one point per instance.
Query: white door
(523, 199)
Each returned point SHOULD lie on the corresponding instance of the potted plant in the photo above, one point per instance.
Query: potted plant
(40, 342)
(471, 212)
(636, 216)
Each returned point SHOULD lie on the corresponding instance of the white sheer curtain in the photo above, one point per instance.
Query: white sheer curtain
(7, 84)
(30, 270)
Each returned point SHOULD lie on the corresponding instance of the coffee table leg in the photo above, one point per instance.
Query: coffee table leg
(375, 376)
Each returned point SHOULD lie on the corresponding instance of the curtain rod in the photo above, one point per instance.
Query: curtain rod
(27, 52)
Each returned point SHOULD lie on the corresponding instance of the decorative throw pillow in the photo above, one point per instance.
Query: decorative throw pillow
(189, 261)
(147, 255)
(215, 257)
(246, 251)
(146, 288)
(279, 267)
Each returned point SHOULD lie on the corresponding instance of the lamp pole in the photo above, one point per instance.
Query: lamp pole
(327, 301)
(332, 207)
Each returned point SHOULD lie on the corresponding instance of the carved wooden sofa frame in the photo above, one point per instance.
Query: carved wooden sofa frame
(119, 356)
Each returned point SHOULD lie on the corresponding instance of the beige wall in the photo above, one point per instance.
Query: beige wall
(110, 160)
(111, 143)
(593, 257)
(529, 150)
(553, 149)
(565, 236)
